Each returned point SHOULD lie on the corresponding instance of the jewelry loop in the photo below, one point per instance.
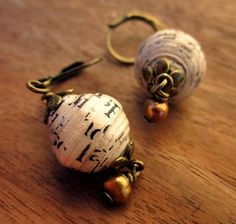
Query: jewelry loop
(39, 85)
(136, 15)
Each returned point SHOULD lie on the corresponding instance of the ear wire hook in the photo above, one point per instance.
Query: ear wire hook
(55, 100)
(39, 85)
(135, 15)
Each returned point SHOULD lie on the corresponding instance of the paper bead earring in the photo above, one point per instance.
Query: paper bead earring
(90, 133)
(170, 64)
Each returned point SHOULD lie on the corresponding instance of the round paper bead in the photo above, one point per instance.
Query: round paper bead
(184, 54)
(88, 131)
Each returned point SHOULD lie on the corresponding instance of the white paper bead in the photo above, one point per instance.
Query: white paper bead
(182, 50)
(88, 131)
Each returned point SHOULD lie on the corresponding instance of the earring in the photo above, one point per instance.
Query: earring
(90, 133)
(170, 64)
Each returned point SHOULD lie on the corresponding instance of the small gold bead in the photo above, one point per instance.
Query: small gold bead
(117, 188)
(155, 111)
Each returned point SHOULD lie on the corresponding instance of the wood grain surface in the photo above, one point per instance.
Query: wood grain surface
(190, 158)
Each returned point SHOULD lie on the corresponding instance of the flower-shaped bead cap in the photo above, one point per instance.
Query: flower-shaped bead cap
(162, 79)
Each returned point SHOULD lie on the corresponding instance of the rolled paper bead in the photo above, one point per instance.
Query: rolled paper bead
(183, 52)
(88, 131)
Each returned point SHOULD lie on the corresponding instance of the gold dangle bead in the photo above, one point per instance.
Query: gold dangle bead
(118, 188)
(155, 111)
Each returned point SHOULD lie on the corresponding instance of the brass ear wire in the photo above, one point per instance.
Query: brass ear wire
(39, 85)
(135, 15)
(55, 99)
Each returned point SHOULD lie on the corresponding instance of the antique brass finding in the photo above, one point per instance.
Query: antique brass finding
(118, 187)
(151, 20)
(40, 85)
(55, 99)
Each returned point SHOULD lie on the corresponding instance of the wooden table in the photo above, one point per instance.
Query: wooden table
(190, 158)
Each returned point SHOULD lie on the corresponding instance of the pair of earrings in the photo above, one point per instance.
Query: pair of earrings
(90, 132)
